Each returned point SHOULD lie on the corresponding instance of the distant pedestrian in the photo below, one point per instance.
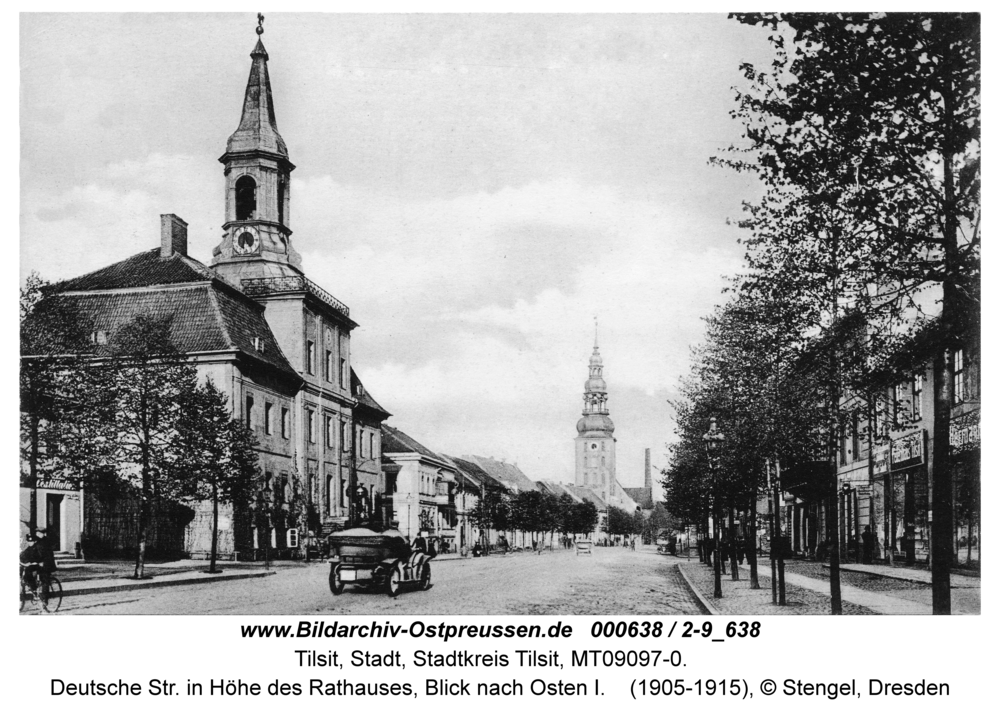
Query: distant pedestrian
(867, 545)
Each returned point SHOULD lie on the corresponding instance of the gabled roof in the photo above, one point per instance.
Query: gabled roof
(642, 496)
(556, 489)
(470, 476)
(141, 270)
(395, 441)
(507, 474)
(364, 398)
(586, 494)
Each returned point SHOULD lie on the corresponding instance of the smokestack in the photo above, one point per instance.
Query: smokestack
(649, 474)
(173, 235)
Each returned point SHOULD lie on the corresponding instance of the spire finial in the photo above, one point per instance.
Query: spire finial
(260, 23)
(595, 332)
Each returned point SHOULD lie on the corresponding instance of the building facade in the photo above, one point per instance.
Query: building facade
(272, 339)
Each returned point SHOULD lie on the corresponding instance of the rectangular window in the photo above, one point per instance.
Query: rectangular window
(843, 446)
(310, 357)
(345, 436)
(900, 410)
(248, 414)
(343, 372)
(268, 409)
(371, 444)
(311, 425)
(343, 493)
(285, 429)
(918, 397)
(959, 377)
(328, 367)
(855, 437)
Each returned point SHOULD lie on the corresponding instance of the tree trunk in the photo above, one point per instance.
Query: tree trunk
(750, 542)
(215, 527)
(733, 561)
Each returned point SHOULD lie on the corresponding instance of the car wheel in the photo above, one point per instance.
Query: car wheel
(336, 584)
(425, 577)
(395, 581)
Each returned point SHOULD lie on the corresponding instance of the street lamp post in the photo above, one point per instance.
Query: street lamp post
(713, 446)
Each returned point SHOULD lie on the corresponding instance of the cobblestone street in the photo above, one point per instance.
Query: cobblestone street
(611, 581)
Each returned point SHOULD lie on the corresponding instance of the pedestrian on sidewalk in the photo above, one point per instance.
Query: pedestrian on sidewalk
(868, 546)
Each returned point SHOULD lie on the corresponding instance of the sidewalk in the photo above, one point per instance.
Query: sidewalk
(90, 578)
(808, 595)
(913, 575)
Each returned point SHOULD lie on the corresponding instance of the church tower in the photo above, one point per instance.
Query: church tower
(256, 242)
(595, 441)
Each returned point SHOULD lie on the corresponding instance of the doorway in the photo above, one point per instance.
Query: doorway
(53, 520)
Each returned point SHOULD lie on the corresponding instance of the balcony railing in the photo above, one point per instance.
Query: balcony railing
(292, 284)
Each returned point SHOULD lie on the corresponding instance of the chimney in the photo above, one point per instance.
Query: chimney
(173, 235)
(649, 474)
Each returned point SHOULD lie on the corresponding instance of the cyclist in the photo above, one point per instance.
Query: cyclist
(38, 562)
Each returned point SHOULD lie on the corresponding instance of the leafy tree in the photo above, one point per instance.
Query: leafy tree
(220, 461)
(55, 387)
(866, 133)
(584, 517)
(150, 382)
(492, 510)
(620, 521)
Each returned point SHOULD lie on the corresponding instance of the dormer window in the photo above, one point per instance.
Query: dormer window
(258, 344)
(99, 337)
(246, 198)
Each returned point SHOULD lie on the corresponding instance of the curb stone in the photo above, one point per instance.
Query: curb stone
(161, 584)
(703, 602)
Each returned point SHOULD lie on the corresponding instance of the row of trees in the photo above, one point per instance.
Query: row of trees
(864, 134)
(532, 512)
(126, 412)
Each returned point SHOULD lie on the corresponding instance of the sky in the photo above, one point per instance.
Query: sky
(477, 188)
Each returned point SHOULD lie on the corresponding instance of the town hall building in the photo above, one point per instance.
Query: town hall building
(273, 340)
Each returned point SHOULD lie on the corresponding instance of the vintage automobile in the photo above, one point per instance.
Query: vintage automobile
(359, 556)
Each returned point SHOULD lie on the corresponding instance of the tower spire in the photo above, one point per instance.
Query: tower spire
(257, 238)
(258, 129)
(595, 333)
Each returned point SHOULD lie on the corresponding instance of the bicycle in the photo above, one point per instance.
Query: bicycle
(49, 597)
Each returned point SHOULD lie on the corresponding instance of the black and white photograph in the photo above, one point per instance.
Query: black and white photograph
(500, 314)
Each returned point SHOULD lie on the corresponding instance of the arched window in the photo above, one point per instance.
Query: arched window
(246, 198)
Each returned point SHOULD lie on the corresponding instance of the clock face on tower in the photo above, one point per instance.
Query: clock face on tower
(245, 243)
(593, 446)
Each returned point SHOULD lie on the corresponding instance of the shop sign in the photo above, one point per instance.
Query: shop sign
(908, 450)
(881, 452)
(864, 490)
(964, 432)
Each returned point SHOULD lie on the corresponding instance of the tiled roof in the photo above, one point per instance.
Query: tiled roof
(469, 475)
(395, 441)
(586, 494)
(556, 489)
(141, 270)
(642, 496)
(363, 397)
(508, 474)
(203, 318)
